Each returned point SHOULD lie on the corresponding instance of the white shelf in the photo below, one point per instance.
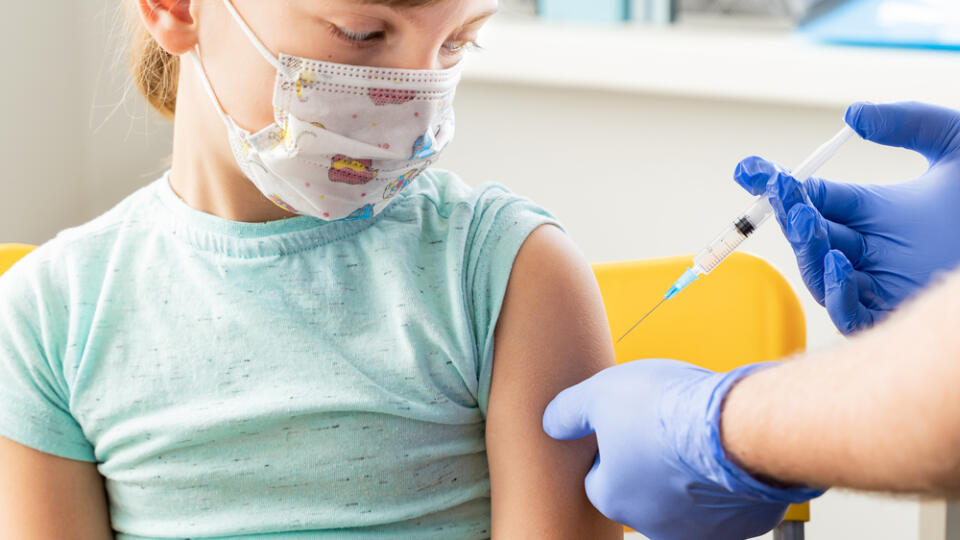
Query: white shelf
(713, 63)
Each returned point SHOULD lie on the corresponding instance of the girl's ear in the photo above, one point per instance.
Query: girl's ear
(170, 23)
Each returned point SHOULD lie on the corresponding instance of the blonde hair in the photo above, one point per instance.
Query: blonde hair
(156, 72)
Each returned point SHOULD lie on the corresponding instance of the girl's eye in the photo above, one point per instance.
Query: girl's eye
(357, 38)
(459, 46)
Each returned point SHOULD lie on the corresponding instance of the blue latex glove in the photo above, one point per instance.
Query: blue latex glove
(864, 249)
(661, 468)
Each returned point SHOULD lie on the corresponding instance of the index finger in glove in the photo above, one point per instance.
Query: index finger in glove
(754, 173)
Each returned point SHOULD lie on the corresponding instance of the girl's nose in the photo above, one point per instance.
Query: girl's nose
(417, 56)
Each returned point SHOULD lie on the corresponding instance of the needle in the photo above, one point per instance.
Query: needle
(642, 319)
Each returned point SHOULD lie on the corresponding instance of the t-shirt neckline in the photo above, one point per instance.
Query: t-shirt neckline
(242, 239)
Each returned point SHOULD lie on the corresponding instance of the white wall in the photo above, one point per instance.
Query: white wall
(631, 176)
(38, 139)
(635, 176)
(126, 144)
(70, 146)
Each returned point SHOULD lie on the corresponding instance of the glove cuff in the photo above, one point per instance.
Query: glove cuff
(735, 478)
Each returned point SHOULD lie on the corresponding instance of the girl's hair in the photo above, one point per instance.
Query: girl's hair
(156, 72)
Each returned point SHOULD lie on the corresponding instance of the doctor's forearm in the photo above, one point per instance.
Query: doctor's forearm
(880, 412)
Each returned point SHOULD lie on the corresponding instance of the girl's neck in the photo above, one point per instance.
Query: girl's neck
(204, 172)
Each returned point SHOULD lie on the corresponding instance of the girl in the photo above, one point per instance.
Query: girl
(300, 331)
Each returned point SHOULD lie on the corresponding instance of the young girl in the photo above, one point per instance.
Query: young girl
(300, 331)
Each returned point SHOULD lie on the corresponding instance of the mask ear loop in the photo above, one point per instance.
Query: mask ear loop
(194, 55)
(254, 40)
(257, 44)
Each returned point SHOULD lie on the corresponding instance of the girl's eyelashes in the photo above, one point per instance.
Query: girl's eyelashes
(355, 38)
(461, 45)
(364, 39)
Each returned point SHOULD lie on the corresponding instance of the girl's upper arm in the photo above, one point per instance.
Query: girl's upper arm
(43, 496)
(552, 333)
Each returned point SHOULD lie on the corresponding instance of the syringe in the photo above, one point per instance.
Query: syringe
(746, 224)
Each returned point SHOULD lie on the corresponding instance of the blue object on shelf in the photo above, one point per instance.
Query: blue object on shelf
(926, 24)
(584, 10)
(654, 11)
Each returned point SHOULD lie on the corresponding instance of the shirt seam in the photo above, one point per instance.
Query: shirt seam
(390, 209)
(46, 424)
(175, 226)
(469, 288)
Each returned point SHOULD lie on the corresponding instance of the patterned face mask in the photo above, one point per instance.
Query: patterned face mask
(345, 139)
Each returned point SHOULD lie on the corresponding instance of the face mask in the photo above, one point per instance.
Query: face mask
(345, 139)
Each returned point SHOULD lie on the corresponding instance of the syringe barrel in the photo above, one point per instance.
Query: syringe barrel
(731, 238)
(718, 250)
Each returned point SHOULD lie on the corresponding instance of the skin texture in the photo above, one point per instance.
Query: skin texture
(880, 413)
(44, 496)
(537, 483)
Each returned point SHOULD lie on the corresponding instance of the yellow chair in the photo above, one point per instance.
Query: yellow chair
(11, 253)
(743, 312)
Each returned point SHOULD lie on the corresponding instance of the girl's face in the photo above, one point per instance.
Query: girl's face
(435, 36)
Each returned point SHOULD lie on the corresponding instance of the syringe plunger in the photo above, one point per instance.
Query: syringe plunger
(760, 210)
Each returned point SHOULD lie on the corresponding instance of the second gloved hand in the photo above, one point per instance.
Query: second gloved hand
(864, 249)
(661, 468)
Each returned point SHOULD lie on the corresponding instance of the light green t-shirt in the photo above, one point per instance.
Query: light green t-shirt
(293, 379)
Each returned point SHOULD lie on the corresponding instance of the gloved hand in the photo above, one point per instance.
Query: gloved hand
(661, 468)
(864, 249)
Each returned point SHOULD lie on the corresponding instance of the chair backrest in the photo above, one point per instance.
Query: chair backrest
(743, 312)
(11, 253)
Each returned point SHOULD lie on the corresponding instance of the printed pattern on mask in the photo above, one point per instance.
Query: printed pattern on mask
(342, 132)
